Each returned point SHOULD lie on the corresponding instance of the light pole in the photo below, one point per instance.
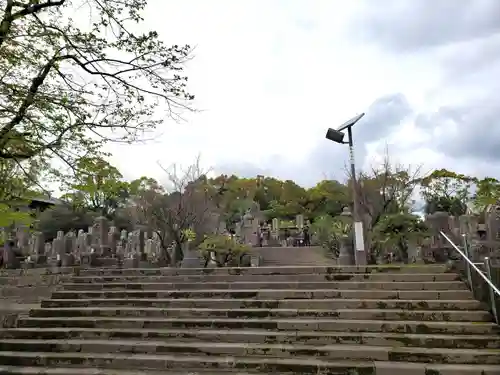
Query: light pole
(337, 136)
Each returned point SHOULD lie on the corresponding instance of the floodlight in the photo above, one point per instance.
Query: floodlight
(335, 135)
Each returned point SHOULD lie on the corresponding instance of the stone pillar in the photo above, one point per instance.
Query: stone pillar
(132, 251)
(275, 229)
(299, 221)
(69, 245)
(248, 233)
(141, 241)
(101, 226)
(191, 257)
(468, 225)
(23, 240)
(38, 249)
(9, 256)
(255, 231)
(58, 246)
(113, 238)
(492, 221)
(346, 252)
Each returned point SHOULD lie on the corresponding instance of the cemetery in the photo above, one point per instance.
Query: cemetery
(381, 271)
(103, 301)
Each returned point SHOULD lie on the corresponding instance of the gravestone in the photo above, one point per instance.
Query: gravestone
(299, 221)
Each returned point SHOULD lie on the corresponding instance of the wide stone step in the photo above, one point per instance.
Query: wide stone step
(5, 370)
(353, 314)
(226, 303)
(388, 277)
(329, 352)
(337, 325)
(231, 365)
(276, 285)
(286, 270)
(269, 294)
(261, 336)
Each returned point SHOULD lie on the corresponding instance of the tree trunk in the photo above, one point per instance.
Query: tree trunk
(403, 248)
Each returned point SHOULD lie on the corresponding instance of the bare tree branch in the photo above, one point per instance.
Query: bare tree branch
(66, 90)
(183, 204)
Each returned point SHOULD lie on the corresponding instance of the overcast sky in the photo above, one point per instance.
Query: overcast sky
(270, 76)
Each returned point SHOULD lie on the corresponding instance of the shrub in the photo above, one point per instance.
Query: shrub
(227, 252)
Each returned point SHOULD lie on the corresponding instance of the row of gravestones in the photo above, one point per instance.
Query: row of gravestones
(249, 230)
(103, 241)
(101, 244)
(484, 238)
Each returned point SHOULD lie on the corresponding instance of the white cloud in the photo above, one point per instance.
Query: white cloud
(271, 76)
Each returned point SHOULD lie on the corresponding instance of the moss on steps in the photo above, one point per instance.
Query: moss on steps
(311, 320)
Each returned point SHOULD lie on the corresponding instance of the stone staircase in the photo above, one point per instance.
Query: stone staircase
(294, 256)
(413, 320)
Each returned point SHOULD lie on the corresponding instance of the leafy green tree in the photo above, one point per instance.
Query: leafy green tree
(276, 198)
(487, 192)
(328, 197)
(446, 191)
(96, 185)
(397, 232)
(330, 232)
(66, 89)
(17, 188)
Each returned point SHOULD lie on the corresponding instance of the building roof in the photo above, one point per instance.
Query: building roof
(47, 200)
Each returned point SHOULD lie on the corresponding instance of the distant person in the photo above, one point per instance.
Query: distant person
(307, 237)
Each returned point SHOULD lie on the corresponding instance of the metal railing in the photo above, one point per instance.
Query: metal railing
(486, 275)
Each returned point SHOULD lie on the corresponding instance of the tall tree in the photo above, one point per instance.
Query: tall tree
(487, 192)
(97, 185)
(184, 204)
(67, 87)
(328, 197)
(448, 191)
(17, 187)
(387, 188)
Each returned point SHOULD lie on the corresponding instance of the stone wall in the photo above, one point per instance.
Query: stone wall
(24, 289)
